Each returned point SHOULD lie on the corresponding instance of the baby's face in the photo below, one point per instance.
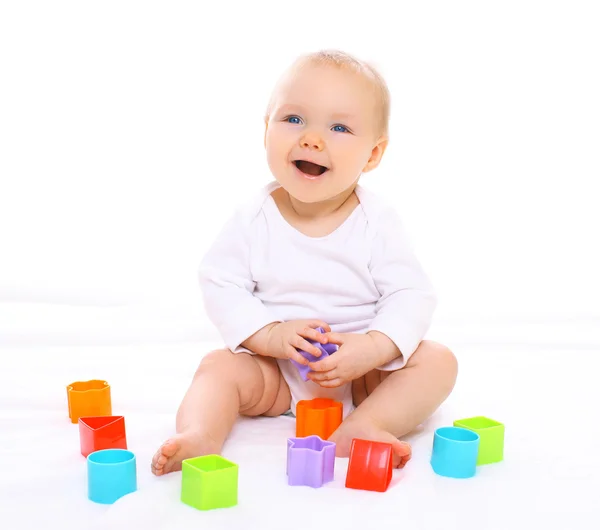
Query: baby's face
(322, 132)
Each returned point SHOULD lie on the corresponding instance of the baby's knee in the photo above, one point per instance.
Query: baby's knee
(445, 362)
(221, 361)
(437, 359)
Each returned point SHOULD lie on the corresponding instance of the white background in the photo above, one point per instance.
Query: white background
(129, 130)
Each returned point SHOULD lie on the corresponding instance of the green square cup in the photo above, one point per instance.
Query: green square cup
(209, 482)
(491, 438)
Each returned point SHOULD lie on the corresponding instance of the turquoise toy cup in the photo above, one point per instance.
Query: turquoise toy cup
(455, 452)
(111, 475)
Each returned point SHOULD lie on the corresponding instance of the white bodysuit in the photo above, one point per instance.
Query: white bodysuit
(361, 277)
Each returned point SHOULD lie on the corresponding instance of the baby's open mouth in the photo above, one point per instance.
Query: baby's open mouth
(310, 168)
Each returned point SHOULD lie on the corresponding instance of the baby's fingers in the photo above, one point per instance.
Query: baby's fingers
(335, 338)
(324, 365)
(304, 345)
(331, 383)
(293, 354)
(319, 324)
(313, 334)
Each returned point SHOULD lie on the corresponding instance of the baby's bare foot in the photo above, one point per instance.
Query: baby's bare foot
(181, 446)
(348, 430)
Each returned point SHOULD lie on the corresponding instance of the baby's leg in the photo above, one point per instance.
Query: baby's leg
(392, 404)
(224, 386)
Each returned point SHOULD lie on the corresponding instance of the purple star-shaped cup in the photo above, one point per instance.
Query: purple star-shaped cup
(310, 461)
(326, 351)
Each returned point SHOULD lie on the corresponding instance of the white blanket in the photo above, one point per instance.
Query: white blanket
(546, 397)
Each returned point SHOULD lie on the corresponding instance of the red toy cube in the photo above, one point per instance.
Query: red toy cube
(370, 466)
(101, 432)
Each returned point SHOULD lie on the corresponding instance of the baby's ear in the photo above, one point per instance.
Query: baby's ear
(376, 154)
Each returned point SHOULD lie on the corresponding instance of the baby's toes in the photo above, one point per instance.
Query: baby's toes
(169, 448)
(402, 453)
(155, 467)
(161, 457)
(159, 460)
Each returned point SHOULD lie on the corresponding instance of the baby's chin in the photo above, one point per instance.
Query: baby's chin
(306, 196)
(314, 191)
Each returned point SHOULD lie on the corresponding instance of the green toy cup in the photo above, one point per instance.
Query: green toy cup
(209, 482)
(491, 438)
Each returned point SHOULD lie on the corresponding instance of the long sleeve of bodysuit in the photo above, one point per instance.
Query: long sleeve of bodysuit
(227, 285)
(405, 308)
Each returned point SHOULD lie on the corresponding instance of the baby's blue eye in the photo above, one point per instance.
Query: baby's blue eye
(339, 128)
(293, 119)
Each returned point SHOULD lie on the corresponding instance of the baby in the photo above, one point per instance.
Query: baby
(314, 249)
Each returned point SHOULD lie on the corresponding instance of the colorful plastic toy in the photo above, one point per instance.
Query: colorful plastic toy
(319, 416)
(111, 475)
(455, 452)
(310, 461)
(326, 351)
(491, 438)
(209, 482)
(88, 398)
(370, 466)
(102, 432)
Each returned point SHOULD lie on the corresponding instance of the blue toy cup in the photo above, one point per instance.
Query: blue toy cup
(111, 474)
(455, 452)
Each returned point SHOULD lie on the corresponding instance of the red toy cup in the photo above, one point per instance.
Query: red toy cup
(101, 432)
(370, 466)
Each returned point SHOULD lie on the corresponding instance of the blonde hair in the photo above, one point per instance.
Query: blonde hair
(345, 61)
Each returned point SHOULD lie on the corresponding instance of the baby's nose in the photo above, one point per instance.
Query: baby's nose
(312, 141)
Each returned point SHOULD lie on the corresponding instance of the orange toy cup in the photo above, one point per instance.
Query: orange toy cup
(102, 432)
(370, 466)
(88, 398)
(319, 416)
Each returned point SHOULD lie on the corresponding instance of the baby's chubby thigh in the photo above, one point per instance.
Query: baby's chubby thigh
(306, 390)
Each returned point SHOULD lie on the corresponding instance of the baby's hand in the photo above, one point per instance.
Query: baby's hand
(356, 356)
(285, 337)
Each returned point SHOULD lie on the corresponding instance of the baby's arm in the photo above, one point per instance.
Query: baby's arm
(403, 312)
(407, 303)
(241, 318)
(227, 285)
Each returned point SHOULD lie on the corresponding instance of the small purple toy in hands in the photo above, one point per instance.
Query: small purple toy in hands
(326, 351)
